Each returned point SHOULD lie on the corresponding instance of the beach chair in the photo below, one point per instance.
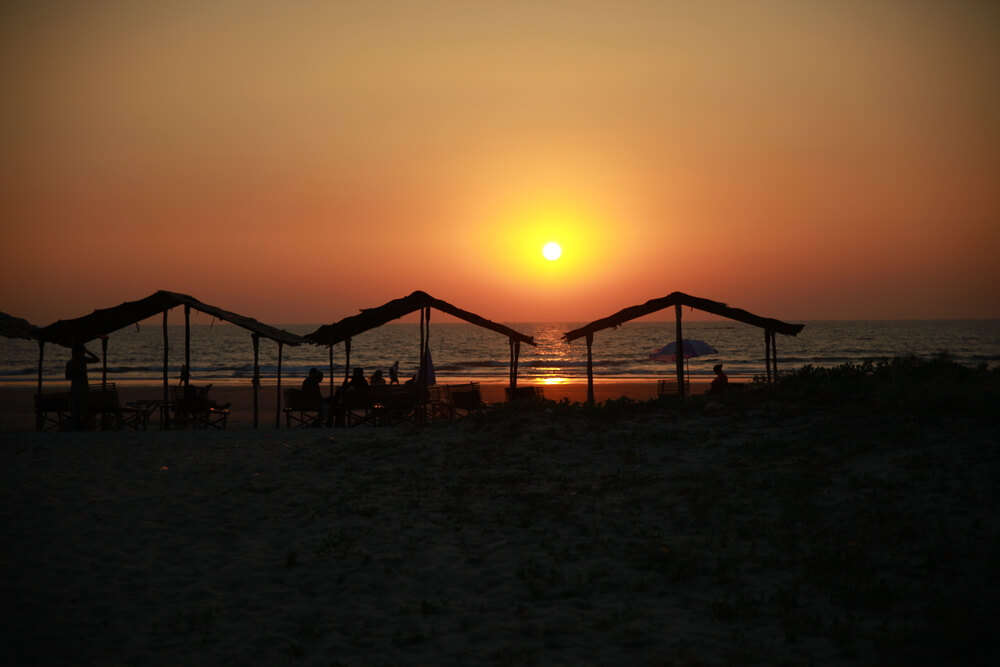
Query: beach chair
(193, 408)
(108, 412)
(669, 388)
(52, 411)
(392, 404)
(465, 398)
(529, 393)
(300, 411)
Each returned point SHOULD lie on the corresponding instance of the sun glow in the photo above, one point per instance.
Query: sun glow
(552, 251)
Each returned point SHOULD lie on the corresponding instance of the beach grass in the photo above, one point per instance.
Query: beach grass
(842, 516)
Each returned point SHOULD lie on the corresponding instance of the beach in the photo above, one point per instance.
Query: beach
(18, 412)
(716, 533)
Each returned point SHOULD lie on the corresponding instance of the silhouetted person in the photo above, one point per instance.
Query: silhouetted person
(720, 382)
(377, 379)
(185, 376)
(311, 393)
(394, 373)
(76, 373)
(358, 380)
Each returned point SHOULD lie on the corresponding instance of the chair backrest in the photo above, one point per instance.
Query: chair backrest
(466, 396)
(297, 399)
(528, 393)
(105, 398)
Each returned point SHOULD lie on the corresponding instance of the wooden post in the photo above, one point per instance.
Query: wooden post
(329, 413)
(187, 344)
(331, 371)
(277, 411)
(256, 379)
(515, 360)
(347, 360)
(104, 362)
(39, 422)
(590, 367)
(166, 380)
(774, 354)
(679, 356)
(767, 354)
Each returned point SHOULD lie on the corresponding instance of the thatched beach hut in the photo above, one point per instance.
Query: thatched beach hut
(678, 300)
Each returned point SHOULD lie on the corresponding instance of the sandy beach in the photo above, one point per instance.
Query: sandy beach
(751, 531)
(18, 411)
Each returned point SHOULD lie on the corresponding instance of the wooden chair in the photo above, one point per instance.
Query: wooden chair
(52, 411)
(465, 398)
(105, 407)
(193, 408)
(669, 388)
(301, 411)
(528, 393)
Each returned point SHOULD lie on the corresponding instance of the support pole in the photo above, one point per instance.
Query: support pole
(166, 380)
(277, 411)
(329, 413)
(256, 379)
(331, 371)
(767, 354)
(774, 354)
(590, 367)
(187, 344)
(347, 360)
(679, 356)
(39, 422)
(104, 362)
(515, 356)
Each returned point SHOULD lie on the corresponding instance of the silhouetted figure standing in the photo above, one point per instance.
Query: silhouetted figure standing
(394, 373)
(720, 382)
(76, 373)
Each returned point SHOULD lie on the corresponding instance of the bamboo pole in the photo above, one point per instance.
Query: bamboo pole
(166, 380)
(104, 362)
(679, 355)
(329, 414)
(774, 354)
(767, 354)
(277, 411)
(517, 361)
(347, 360)
(39, 422)
(256, 379)
(187, 344)
(590, 367)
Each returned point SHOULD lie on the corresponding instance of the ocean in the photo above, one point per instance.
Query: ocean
(222, 353)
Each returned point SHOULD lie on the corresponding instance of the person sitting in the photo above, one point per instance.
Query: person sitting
(377, 379)
(311, 394)
(720, 382)
(358, 381)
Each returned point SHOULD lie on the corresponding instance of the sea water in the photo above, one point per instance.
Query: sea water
(223, 353)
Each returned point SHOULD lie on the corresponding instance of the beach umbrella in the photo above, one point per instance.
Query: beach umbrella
(692, 348)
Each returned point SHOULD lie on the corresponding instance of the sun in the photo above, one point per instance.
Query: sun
(552, 251)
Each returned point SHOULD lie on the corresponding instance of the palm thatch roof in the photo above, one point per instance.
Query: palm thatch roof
(680, 298)
(371, 318)
(105, 321)
(17, 327)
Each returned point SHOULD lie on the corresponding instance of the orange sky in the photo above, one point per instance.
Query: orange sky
(803, 160)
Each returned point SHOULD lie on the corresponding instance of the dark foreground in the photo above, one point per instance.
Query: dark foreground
(846, 517)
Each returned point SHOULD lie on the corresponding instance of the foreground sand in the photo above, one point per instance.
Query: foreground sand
(716, 535)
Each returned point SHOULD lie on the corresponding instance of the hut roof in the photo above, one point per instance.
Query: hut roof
(17, 327)
(370, 318)
(108, 320)
(674, 298)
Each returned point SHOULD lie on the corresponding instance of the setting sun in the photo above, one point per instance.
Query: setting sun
(552, 251)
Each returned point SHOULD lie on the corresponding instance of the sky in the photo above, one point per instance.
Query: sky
(295, 161)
